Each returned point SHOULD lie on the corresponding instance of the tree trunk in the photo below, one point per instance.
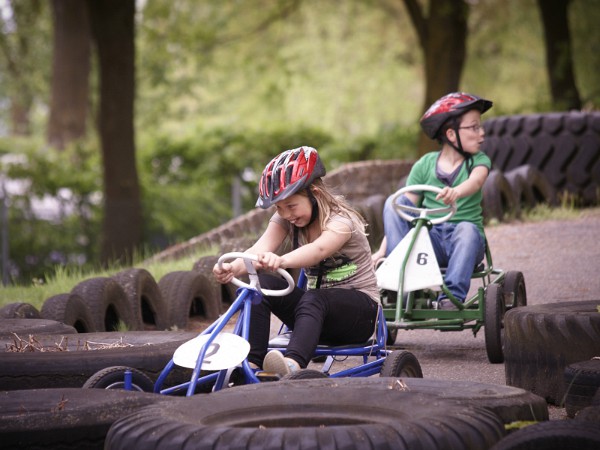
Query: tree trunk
(113, 30)
(70, 72)
(559, 58)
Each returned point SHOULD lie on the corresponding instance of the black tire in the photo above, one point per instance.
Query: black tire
(582, 380)
(84, 354)
(114, 378)
(19, 310)
(107, 302)
(305, 374)
(224, 292)
(514, 290)
(315, 417)
(493, 321)
(530, 187)
(498, 201)
(589, 414)
(392, 335)
(69, 418)
(189, 293)
(540, 341)
(71, 310)
(553, 435)
(26, 327)
(509, 403)
(401, 363)
(145, 299)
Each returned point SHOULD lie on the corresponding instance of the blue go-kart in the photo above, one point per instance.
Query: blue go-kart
(218, 358)
(410, 281)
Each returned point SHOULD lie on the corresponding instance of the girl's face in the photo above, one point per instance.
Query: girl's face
(296, 209)
(471, 131)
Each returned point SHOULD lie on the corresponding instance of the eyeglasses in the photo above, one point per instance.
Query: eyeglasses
(476, 128)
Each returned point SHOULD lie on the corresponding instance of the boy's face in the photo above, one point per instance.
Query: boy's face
(471, 131)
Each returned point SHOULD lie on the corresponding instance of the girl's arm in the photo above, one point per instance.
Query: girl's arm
(270, 241)
(329, 242)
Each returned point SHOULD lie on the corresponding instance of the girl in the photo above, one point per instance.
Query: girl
(329, 241)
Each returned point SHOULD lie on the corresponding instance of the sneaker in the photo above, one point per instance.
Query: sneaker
(447, 305)
(275, 362)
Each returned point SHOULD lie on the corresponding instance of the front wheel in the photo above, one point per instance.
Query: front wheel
(401, 363)
(114, 378)
(493, 319)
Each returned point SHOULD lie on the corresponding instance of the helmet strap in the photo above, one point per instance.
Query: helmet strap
(313, 216)
(459, 148)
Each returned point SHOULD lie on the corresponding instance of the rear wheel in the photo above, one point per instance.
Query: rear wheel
(515, 293)
(493, 318)
(114, 378)
(401, 364)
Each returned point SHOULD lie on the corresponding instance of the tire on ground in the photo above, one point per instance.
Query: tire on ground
(530, 187)
(71, 310)
(498, 201)
(82, 355)
(19, 310)
(540, 341)
(582, 381)
(66, 418)
(107, 302)
(224, 292)
(510, 404)
(189, 293)
(296, 416)
(26, 327)
(149, 309)
(553, 435)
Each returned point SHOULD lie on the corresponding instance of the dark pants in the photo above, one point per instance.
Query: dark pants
(334, 316)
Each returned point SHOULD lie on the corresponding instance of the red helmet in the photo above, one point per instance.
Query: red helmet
(451, 105)
(288, 173)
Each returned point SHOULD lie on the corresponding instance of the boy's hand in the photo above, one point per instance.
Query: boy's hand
(448, 195)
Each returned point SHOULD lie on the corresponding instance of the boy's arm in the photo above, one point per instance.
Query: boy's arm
(468, 187)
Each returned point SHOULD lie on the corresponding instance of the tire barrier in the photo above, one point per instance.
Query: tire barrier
(107, 302)
(509, 403)
(540, 341)
(582, 381)
(71, 310)
(189, 293)
(145, 299)
(69, 360)
(553, 435)
(25, 327)
(66, 418)
(564, 147)
(19, 310)
(294, 415)
(498, 198)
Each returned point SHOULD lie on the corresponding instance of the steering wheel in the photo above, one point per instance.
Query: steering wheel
(423, 213)
(254, 284)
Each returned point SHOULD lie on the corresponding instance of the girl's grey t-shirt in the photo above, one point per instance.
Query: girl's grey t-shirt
(348, 268)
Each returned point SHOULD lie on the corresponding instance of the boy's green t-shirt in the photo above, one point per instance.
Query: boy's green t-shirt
(468, 208)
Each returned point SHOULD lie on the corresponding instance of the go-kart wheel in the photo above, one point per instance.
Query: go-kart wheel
(493, 320)
(515, 294)
(392, 334)
(254, 284)
(404, 210)
(401, 364)
(305, 374)
(114, 378)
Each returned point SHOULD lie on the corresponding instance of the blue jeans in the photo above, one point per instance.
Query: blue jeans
(458, 246)
(334, 316)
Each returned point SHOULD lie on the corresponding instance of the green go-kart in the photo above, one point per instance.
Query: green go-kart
(410, 281)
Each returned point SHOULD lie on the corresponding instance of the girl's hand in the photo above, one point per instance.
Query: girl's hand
(269, 261)
(448, 195)
(223, 274)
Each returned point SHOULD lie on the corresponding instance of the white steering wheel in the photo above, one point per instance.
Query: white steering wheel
(248, 259)
(423, 213)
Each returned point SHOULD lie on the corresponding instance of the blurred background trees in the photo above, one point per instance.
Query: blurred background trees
(129, 122)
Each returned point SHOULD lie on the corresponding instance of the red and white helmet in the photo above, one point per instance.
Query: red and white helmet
(451, 105)
(288, 173)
